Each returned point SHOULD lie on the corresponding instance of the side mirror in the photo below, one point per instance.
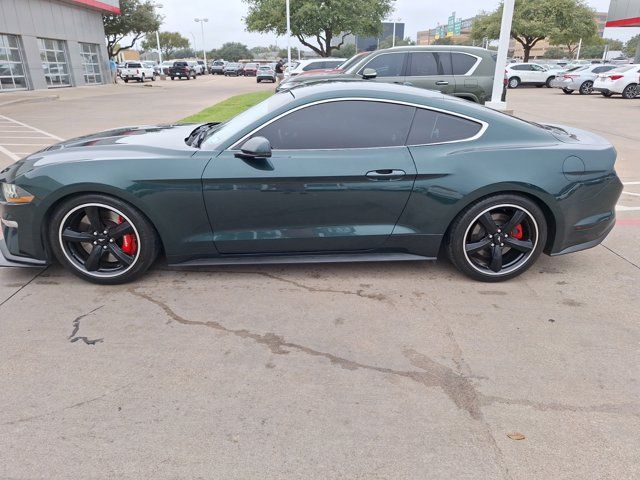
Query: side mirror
(369, 73)
(255, 148)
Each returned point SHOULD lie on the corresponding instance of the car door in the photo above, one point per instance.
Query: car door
(389, 66)
(432, 71)
(538, 73)
(338, 179)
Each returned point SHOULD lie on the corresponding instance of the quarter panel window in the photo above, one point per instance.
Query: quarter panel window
(424, 64)
(343, 124)
(436, 127)
(462, 63)
(387, 65)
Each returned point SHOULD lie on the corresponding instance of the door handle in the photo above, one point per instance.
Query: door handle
(385, 174)
(442, 82)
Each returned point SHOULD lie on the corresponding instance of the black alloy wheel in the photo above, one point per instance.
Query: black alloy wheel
(102, 239)
(497, 238)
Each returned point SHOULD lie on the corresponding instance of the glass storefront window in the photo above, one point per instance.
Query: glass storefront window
(54, 62)
(91, 63)
(12, 76)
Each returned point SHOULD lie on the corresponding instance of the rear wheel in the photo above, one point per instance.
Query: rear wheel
(102, 239)
(568, 91)
(630, 91)
(141, 80)
(497, 238)
(548, 82)
(586, 88)
(514, 82)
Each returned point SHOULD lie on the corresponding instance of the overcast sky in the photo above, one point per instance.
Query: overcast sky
(226, 19)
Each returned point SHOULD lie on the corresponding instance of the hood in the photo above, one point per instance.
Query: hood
(117, 144)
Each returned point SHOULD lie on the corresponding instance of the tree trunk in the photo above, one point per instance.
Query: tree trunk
(527, 52)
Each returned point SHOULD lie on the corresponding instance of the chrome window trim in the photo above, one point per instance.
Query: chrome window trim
(235, 147)
(473, 68)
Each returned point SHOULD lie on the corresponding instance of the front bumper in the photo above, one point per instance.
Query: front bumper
(7, 259)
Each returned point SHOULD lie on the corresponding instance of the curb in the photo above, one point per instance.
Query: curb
(30, 100)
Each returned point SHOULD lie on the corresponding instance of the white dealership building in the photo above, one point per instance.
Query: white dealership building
(53, 43)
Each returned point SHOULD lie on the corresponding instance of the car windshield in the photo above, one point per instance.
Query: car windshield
(265, 67)
(219, 134)
(251, 65)
(353, 60)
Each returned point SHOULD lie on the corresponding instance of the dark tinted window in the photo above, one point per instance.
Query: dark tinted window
(333, 63)
(345, 124)
(603, 69)
(134, 65)
(180, 64)
(436, 127)
(313, 66)
(521, 67)
(462, 63)
(424, 64)
(387, 65)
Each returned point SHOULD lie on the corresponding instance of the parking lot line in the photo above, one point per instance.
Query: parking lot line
(46, 134)
(16, 137)
(9, 154)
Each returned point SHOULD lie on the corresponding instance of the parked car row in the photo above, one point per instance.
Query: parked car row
(236, 69)
(606, 79)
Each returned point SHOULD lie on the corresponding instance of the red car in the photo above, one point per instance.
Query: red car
(250, 69)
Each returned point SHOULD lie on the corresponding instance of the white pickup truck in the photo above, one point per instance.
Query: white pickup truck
(137, 71)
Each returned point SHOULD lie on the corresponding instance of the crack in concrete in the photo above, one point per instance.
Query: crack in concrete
(358, 293)
(76, 327)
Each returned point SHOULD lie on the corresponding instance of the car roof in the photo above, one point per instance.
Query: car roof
(420, 48)
(357, 87)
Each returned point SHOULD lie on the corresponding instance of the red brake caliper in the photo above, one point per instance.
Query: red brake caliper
(129, 242)
(517, 232)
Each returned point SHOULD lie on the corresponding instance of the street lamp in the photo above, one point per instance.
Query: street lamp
(202, 21)
(393, 40)
(289, 35)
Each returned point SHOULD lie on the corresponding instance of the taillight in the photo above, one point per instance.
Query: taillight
(616, 77)
(570, 76)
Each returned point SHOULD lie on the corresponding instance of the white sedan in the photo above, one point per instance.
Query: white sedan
(623, 80)
(529, 74)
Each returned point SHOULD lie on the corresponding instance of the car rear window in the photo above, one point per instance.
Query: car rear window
(180, 64)
(622, 69)
(430, 127)
(134, 65)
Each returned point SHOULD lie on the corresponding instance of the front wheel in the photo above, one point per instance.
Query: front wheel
(497, 238)
(102, 239)
(514, 82)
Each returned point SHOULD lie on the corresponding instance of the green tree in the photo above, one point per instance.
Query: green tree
(282, 53)
(169, 43)
(443, 41)
(574, 24)
(400, 42)
(535, 20)
(136, 18)
(631, 47)
(348, 50)
(234, 51)
(260, 51)
(555, 53)
(186, 52)
(317, 23)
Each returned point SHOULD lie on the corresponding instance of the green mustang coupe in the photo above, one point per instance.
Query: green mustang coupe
(338, 171)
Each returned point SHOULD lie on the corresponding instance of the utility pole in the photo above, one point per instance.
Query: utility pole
(579, 48)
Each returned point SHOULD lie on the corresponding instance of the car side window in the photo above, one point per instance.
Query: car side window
(341, 124)
(602, 69)
(424, 64)
(313, 66)
(462, 63)
(430, 127)
(332, 63)
(387, 65)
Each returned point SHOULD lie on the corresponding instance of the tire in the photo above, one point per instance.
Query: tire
(141, 79)
(153, 79)
(607, 94)
(568, 91)
(514, 82)
(539, 85)
(126, 80)
(475, 251)
(548, 82)
(116, 257)
(586, 88)
(173, 78)
(630, 91)
(258, 81)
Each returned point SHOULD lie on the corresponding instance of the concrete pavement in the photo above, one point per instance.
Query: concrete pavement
(365, 371)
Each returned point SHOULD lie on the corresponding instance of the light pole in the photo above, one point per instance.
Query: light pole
(501, 62)
(393, 40)
(288, 35)
(159, 51)
(202, 21)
